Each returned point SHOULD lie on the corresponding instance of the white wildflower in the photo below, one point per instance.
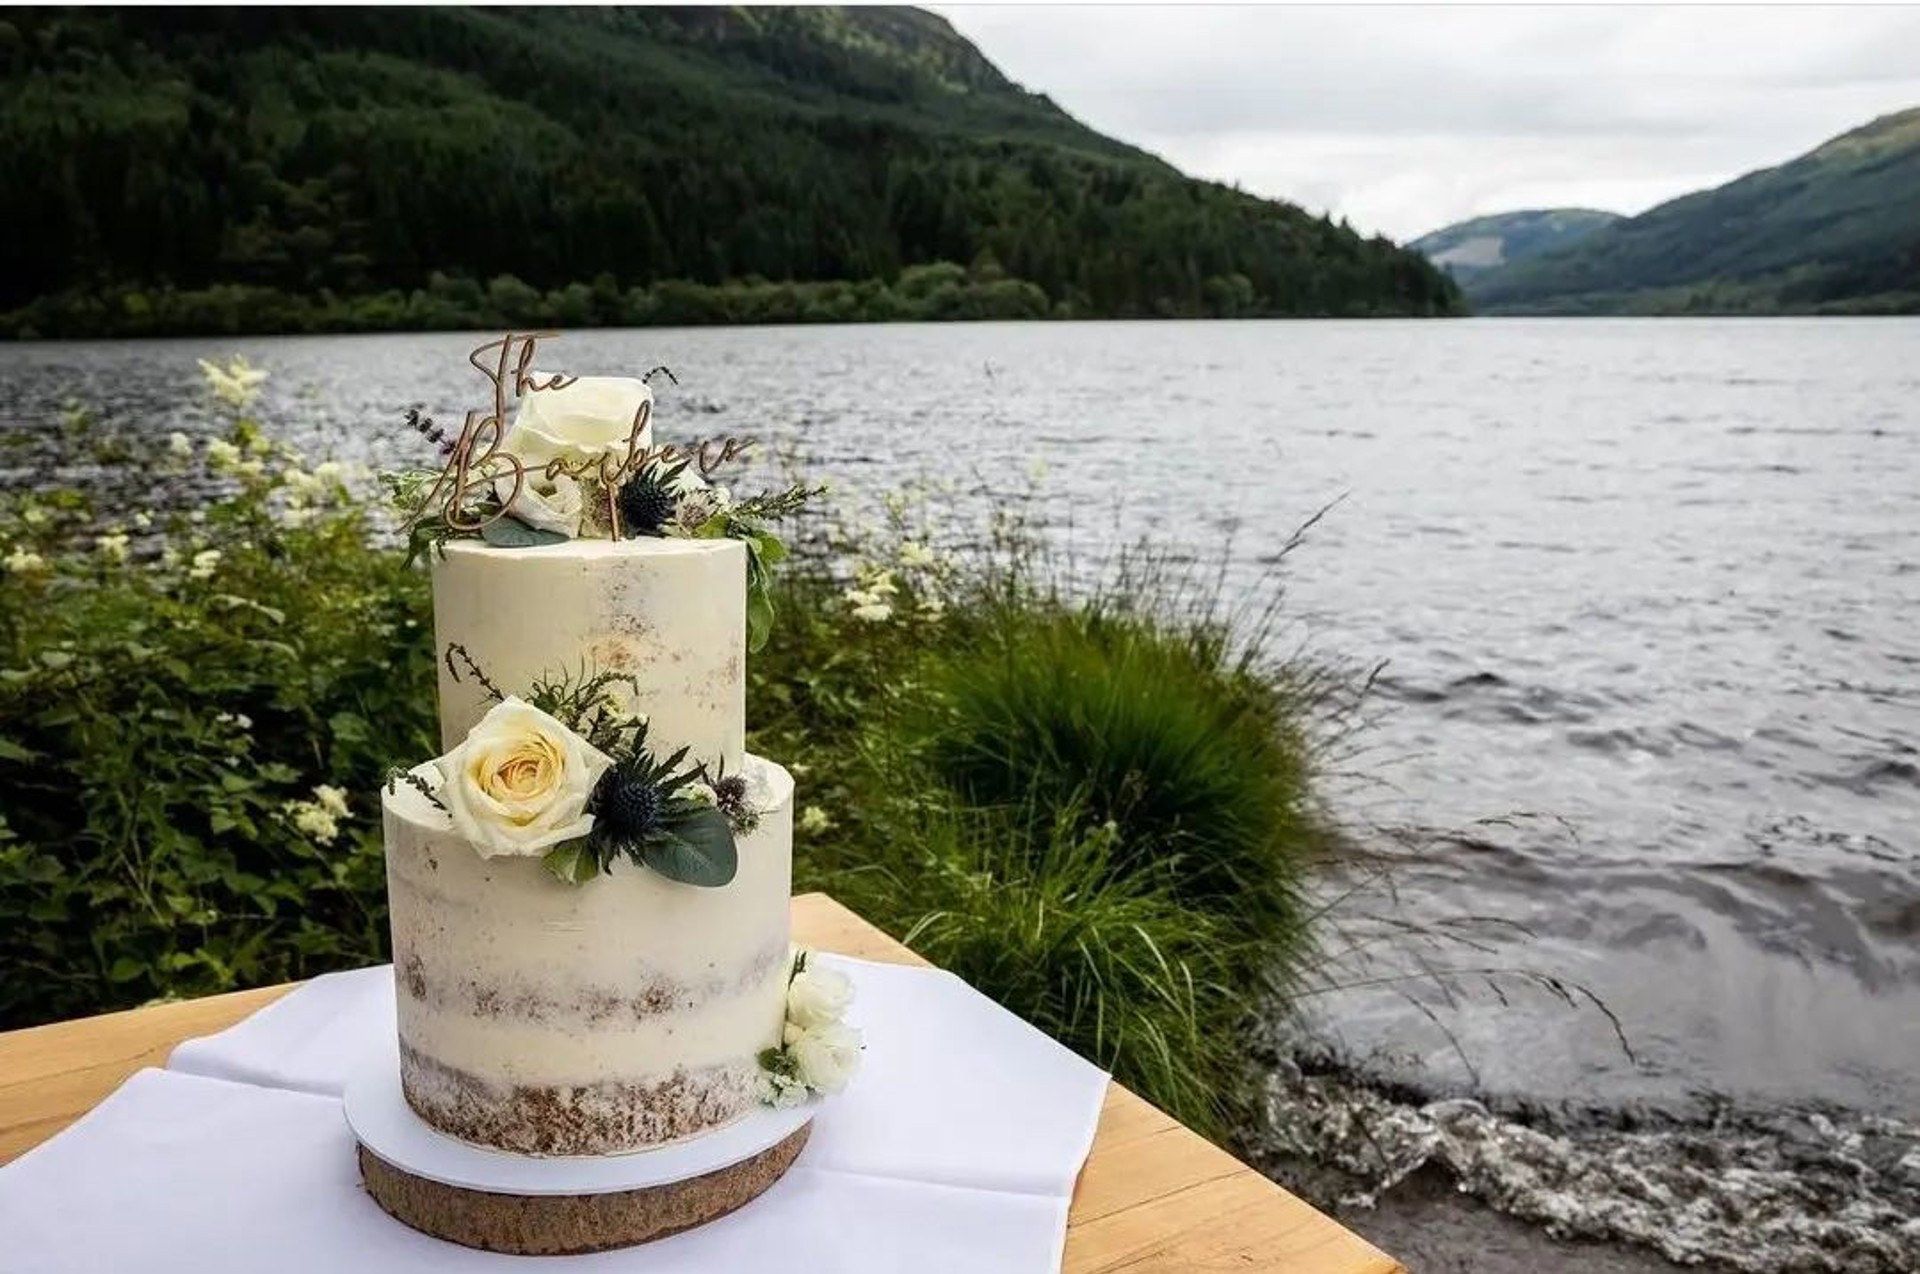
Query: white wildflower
(328, 472)
(237, 384)
(112, 547)
(204, 563)
(33, 515)
(221, 455)
(179, 445)
(916, 556)
(874, 612)
(143, 521)
(21, 561)
(238, 720)
(302, 483)
(310, 819)
(331, 799)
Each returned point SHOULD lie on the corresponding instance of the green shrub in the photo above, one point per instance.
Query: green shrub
(169, 704)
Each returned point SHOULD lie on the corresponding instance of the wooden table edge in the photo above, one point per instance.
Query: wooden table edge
(52, 1075)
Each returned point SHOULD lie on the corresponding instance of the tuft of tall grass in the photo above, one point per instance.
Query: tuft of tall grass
(1093, 802)
(1051, 706)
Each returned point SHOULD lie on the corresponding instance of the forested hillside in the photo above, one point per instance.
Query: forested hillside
(288, 169)
(1836, 230)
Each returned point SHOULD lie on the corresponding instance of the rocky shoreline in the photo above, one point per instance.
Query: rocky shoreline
(1453, 1185)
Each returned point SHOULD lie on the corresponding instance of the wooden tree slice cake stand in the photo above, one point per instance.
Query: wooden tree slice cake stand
(528, 1206)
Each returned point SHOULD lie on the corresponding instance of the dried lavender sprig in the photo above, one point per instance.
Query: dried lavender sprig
(396, 776)
(455, 649)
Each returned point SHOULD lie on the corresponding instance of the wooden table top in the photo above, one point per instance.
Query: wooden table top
(1153, 1197)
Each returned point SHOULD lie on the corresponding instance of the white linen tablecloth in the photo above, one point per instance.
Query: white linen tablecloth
(954, 1149)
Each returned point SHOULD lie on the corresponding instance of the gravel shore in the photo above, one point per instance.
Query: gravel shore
(1431, 1228)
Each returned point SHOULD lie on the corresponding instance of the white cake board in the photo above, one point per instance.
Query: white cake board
(381, 1120)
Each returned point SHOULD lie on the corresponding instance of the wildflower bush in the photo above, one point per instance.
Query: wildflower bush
(1089, 798)
(195, 713)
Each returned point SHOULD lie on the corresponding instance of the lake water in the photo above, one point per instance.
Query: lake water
(1656, 582)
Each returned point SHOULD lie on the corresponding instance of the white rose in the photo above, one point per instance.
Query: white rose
(585, 420)
(824, 1059)
(818, 997)
(520, 781)
(544, 504)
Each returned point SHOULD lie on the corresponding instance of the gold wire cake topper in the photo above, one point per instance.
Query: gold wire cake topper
(479, 458)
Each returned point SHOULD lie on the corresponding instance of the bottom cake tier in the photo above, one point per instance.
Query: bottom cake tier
(546, 1018)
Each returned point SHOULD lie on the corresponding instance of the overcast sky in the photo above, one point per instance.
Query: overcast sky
(1405, 119)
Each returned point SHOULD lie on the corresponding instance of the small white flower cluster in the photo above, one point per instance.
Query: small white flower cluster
(307, 493)
(113, 547)
(872, 595)
(204, 564)
(818, 1051)
(319, 817)
(23, 561)
(237, 384)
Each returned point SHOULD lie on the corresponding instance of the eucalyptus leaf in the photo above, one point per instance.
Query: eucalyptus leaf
(573, 862)
(759, 619)
(511, 533)
(697, 849)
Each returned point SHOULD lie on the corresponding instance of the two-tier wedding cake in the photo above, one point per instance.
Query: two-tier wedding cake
(590, 887)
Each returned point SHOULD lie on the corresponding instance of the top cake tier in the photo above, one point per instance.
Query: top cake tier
(669, 613)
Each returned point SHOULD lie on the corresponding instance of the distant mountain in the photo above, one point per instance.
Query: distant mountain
(292, 168)
(1468, 249)
(1835, 231)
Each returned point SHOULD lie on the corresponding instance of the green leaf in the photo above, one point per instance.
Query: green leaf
(511, 533)
(125, 969)
(696, 849)
(772, 551)
(348, 727)
(759, 618)
(573, 862)
(11, 751)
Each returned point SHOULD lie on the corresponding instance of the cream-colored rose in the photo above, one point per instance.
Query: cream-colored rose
(824, 1059)
(818, 997)
(590, 418)
(545, 504)
(519, 783)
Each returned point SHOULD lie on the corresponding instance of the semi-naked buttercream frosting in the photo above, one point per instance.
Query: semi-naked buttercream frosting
(670, 613)
(549, 1018)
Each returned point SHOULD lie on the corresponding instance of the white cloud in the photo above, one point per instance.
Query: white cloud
(1404, 119)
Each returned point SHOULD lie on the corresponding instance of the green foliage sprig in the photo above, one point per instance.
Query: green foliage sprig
(746, 521)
